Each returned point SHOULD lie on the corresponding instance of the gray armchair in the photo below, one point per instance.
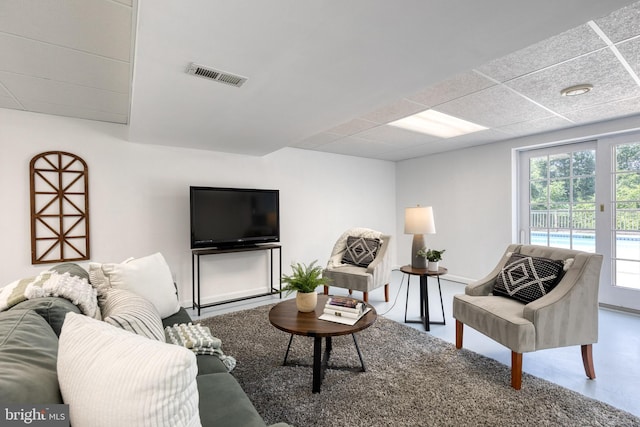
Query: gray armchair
(567, 315)
(363, 279)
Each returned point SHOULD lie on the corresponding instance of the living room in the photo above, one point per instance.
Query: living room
(139, 193)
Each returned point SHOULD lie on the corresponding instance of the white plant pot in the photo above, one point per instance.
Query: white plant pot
(433, 265)
(306, 302)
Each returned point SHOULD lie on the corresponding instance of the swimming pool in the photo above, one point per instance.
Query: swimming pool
(627, 252)
(627, 246)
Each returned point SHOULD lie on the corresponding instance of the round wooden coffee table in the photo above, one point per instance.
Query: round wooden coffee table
(286, 317)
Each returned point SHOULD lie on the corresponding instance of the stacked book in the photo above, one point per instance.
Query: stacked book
(344, 310)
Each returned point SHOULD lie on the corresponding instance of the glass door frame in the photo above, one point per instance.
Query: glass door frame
(609, 294)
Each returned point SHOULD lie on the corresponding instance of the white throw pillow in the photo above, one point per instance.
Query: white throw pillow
(149, 277)
(111, 377)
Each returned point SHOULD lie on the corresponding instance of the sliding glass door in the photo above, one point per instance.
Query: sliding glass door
(625, 227)
(586, 196)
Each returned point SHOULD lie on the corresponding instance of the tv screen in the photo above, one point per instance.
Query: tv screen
(227, 217)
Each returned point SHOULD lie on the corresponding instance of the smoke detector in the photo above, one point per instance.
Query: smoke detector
(216, 75)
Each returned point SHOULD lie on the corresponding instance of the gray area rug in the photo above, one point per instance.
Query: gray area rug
(412, 379)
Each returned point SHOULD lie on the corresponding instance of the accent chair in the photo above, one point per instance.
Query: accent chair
(565, 315)
(363, 276)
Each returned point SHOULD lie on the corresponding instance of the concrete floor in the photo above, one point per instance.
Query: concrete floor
(616, 355)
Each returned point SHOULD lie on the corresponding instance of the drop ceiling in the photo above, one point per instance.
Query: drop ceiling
(326, 75)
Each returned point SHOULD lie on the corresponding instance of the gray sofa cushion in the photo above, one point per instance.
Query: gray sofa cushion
(28, 356)
(52, 309)
(181, 316)
(224, 403)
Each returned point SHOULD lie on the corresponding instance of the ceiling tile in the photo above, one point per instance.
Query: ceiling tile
(28, 89)
(97, 26)
(631, 52)
(621, 24)
(625, 107)
(317, 140)
(450, 89)
(395, 111)
(71, 111)
(476, 138)
(536, 126)
(355, 147)
(493, 107)
(441, 145)
(29, 57)
(396, 136)
(352, 127)
(601, 69)
(556, 49)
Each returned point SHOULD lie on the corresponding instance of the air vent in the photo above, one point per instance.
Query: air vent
(217, 75)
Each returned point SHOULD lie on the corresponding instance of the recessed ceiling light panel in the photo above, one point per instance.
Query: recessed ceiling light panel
(432, 122)
(576, 90)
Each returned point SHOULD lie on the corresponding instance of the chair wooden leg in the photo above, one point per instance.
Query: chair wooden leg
(350, 291)
(386, 292)
(365, 296)
(459, 329)
(326, 290)
(587, 359)
(516, 370)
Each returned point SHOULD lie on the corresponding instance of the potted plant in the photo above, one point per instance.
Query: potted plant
(433, 256)
(304, 279)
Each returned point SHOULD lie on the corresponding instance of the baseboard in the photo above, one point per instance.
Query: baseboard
(458, 279)
(618, 308)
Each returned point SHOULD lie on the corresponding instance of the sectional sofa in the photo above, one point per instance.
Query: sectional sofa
(52, 353)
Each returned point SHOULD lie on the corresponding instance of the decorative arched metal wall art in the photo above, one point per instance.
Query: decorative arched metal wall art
(59, 208)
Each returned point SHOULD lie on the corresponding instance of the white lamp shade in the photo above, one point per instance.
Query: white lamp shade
(419, 220)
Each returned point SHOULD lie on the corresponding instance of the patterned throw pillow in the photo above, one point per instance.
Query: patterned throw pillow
(131, 312)
(360, 251)
(527, 278)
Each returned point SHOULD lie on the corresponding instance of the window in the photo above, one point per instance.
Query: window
(562, 201)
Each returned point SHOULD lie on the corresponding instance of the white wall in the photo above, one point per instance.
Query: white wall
(139, 201)
(472, 192)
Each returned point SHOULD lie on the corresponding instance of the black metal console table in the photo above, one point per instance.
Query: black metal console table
(195, 272)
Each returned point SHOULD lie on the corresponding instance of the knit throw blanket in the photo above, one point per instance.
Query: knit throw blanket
(198, 339)
(52, 284)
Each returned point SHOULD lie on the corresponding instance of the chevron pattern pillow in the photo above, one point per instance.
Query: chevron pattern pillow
(360, 251)
(527, 278)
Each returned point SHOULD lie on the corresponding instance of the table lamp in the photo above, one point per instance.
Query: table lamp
(418, 221)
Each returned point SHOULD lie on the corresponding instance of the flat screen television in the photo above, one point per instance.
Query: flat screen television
(233, 217)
